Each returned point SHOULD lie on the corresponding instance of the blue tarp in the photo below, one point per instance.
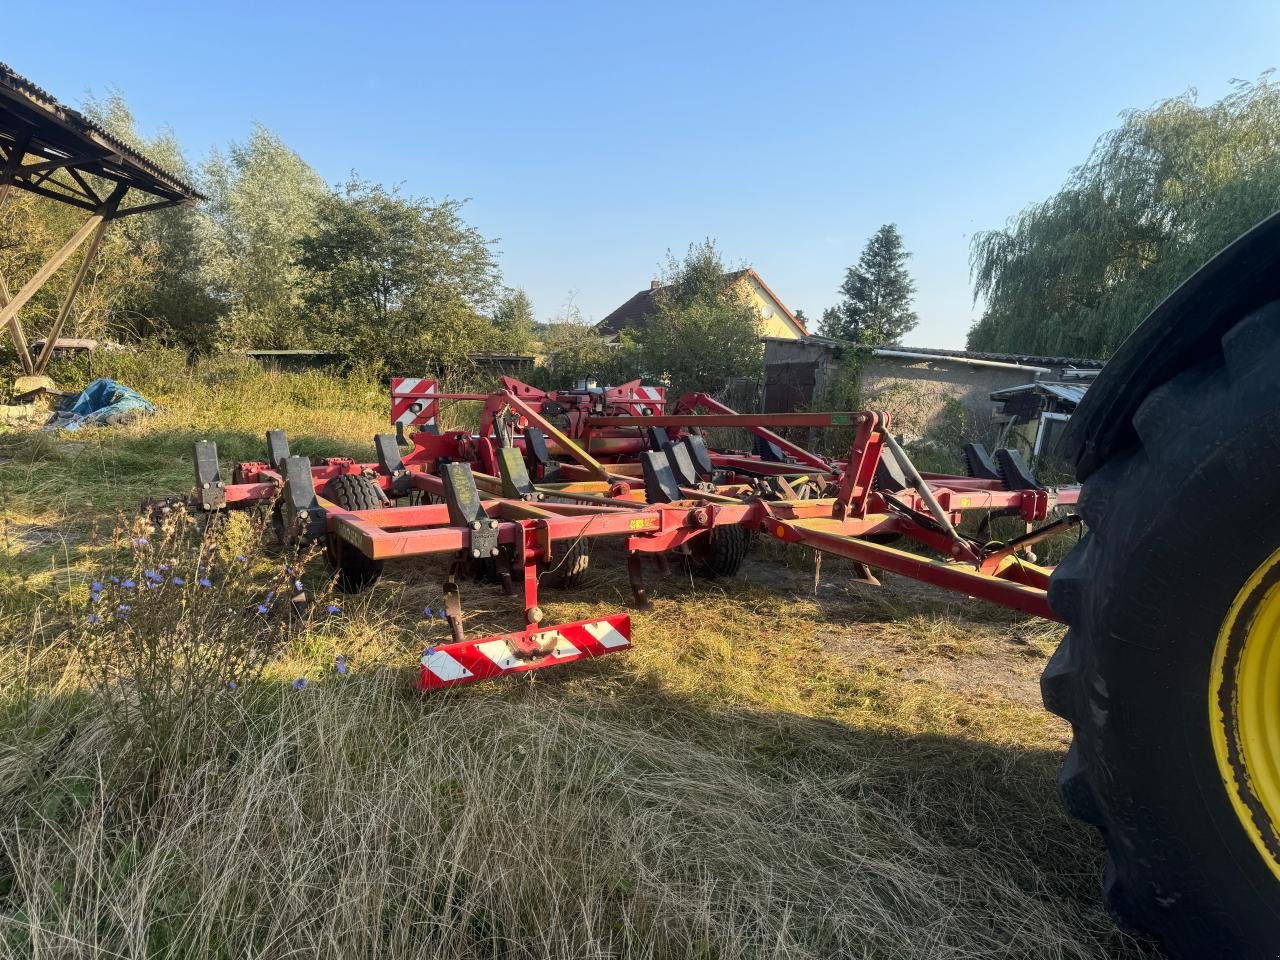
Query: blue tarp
(102, 403)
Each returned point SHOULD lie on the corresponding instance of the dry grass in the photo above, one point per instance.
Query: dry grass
(743, 783)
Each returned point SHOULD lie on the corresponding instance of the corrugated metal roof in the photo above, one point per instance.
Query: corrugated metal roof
(1025, 358)
(1071, 393)
(89, 134)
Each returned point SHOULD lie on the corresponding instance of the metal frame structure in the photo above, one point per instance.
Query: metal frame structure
(548, 471)
(55, 152)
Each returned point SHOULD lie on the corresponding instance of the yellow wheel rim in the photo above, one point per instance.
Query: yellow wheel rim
(1244, 708)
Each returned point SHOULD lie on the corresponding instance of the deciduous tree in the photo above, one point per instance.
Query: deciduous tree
(263, 199)
(705, 330)
(1156, 198)
(398, 279)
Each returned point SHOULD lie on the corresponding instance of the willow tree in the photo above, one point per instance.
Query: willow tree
(1156, 197)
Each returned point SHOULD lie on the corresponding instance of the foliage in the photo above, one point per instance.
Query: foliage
(396, 279)
(263, 199)
(654, 792)
(172, 301)
(178, 619)
(877, 290)
(1157, 196)
(32, 228)
(573, 350)
(706, 329)
(513, 317)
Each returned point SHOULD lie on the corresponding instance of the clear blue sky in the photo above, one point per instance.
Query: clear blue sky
(593, 137)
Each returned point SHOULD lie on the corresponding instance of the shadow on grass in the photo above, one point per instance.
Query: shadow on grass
(855, 839)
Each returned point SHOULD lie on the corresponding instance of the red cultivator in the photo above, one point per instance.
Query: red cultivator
(548, 472)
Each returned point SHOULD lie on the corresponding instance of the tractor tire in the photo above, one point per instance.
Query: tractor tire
(567, 572)
(1169, 596)
(356, 572)
(719, 552)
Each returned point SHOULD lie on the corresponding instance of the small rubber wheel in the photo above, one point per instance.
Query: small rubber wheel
(568, 570)
(356, 572)
(719, 552)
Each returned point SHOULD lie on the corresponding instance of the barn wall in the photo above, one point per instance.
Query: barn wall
(924, 397)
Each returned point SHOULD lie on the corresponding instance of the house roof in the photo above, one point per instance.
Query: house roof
(1021, 358)
(64, 138)
(636, 311)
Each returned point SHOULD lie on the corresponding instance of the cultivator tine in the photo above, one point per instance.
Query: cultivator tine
(209, 486)
(453, 602)
(657, 438)
(697, 448)
(277, 449)
(768, 450)
(392, 465)
(890, 476)
(515, 475)
(535, 444)
(659, 483)
(466, 510)
(681, 464)
(978, 462)
(1014, 472)
(635, 573)
(304, 518)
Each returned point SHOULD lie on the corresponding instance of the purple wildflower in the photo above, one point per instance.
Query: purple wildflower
(300, 683)
(262, 608)
(140, 541)
(114, 579)
(297, 586)
(341, 666)
(163, 568)
(179, 582)
(232, 685)
(240, 558)
(206, 582)
(427, 613)
(94, 619)
(128, 584)
(96, 587)
(152, 576)
(333, 608)
(95, 597)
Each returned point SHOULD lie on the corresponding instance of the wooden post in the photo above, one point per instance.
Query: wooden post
(103, 217)
(17, 152)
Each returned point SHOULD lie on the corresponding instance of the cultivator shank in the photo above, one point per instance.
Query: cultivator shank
(547, 473)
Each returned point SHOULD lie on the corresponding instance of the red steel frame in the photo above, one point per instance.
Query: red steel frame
(600, 493)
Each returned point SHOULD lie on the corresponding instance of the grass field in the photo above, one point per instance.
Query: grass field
(775, 770)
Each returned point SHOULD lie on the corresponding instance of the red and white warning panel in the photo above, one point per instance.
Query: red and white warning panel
(636, 398)
(415, 401)
(457, 663)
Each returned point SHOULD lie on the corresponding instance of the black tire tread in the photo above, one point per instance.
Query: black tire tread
(722, 553)
(1180, 420)
(356, 572)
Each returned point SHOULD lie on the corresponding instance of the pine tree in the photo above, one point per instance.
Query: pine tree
(877, 292)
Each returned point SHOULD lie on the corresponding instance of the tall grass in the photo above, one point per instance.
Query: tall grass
(169, 787)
